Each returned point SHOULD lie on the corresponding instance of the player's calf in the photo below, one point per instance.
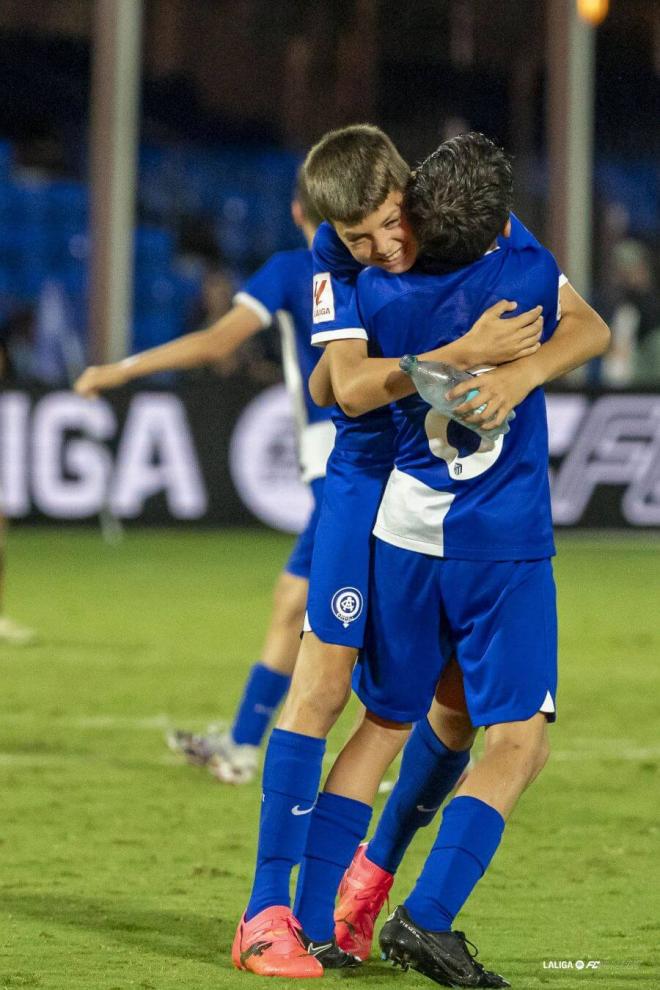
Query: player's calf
(514, 755)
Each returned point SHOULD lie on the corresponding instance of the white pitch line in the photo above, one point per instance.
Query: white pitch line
(566, 755)
(587, 748)
(118, 722)
(100, 722)
(562, 756)
(38, 759)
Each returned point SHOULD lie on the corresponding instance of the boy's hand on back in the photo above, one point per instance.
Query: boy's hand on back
(495, 339)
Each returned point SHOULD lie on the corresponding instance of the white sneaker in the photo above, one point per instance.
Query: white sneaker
(195, 749)
(12, 632)
(233, 763)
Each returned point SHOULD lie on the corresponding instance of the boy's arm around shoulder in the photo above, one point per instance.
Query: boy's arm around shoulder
(580, 335)
(359, 383)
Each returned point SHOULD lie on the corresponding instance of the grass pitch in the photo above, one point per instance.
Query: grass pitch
(122, 868)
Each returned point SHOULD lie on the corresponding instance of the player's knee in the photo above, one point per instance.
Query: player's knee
(321, 684)
(521, 746)
(452, 727)
(325, 704)
(315, 699)
(333, 698)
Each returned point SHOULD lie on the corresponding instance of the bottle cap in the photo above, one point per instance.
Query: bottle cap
(407, 363)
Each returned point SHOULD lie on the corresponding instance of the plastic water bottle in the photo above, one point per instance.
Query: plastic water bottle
(433, 379)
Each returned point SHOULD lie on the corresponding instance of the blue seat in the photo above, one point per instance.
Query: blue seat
(68, 207)
(154, 248)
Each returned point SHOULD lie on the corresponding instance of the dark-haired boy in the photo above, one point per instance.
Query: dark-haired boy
(464, 531)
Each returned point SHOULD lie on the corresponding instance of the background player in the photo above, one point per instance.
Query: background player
(277, 291)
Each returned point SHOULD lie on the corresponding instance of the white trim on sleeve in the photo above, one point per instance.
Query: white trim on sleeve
(562, 280)
(245, 299)
(350, 333)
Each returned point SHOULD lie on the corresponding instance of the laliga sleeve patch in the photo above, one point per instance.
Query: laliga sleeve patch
(324, 300)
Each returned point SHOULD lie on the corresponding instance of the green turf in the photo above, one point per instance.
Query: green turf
(121, 868)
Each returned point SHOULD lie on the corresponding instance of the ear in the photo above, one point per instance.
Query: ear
(297, 214)
(507, 228)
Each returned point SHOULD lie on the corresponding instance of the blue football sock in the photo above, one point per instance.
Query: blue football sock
(264, 689)
(469, 835)
(338, 825)
(292, 773)
(429, 771)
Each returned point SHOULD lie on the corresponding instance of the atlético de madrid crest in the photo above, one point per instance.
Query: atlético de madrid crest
(347, 605)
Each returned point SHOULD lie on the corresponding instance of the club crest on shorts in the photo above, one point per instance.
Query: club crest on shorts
(347, 605)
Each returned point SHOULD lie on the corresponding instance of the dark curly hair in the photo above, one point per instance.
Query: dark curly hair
(459, 199)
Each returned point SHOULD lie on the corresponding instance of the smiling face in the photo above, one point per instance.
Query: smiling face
(383, 238)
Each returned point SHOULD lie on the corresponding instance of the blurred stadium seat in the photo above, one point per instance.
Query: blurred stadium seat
(242, 194)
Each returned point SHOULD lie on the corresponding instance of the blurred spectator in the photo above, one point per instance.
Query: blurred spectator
(58, 354)
(259, 357)
(38, 342)
(16, 344)
(633, 314)
(218, 288)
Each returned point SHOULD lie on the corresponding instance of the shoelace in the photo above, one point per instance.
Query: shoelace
(295, 929)
(276, 926)
(473, 955)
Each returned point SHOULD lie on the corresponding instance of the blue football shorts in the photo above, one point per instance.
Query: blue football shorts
(498, 618)
(337, 602)
(300, 562)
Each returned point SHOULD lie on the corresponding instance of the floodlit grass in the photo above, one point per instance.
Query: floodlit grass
(122, 868)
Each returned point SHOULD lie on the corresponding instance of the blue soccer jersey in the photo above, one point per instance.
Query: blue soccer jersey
(336, 317)
(450, 493)
(358, 468)
(279, 292)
